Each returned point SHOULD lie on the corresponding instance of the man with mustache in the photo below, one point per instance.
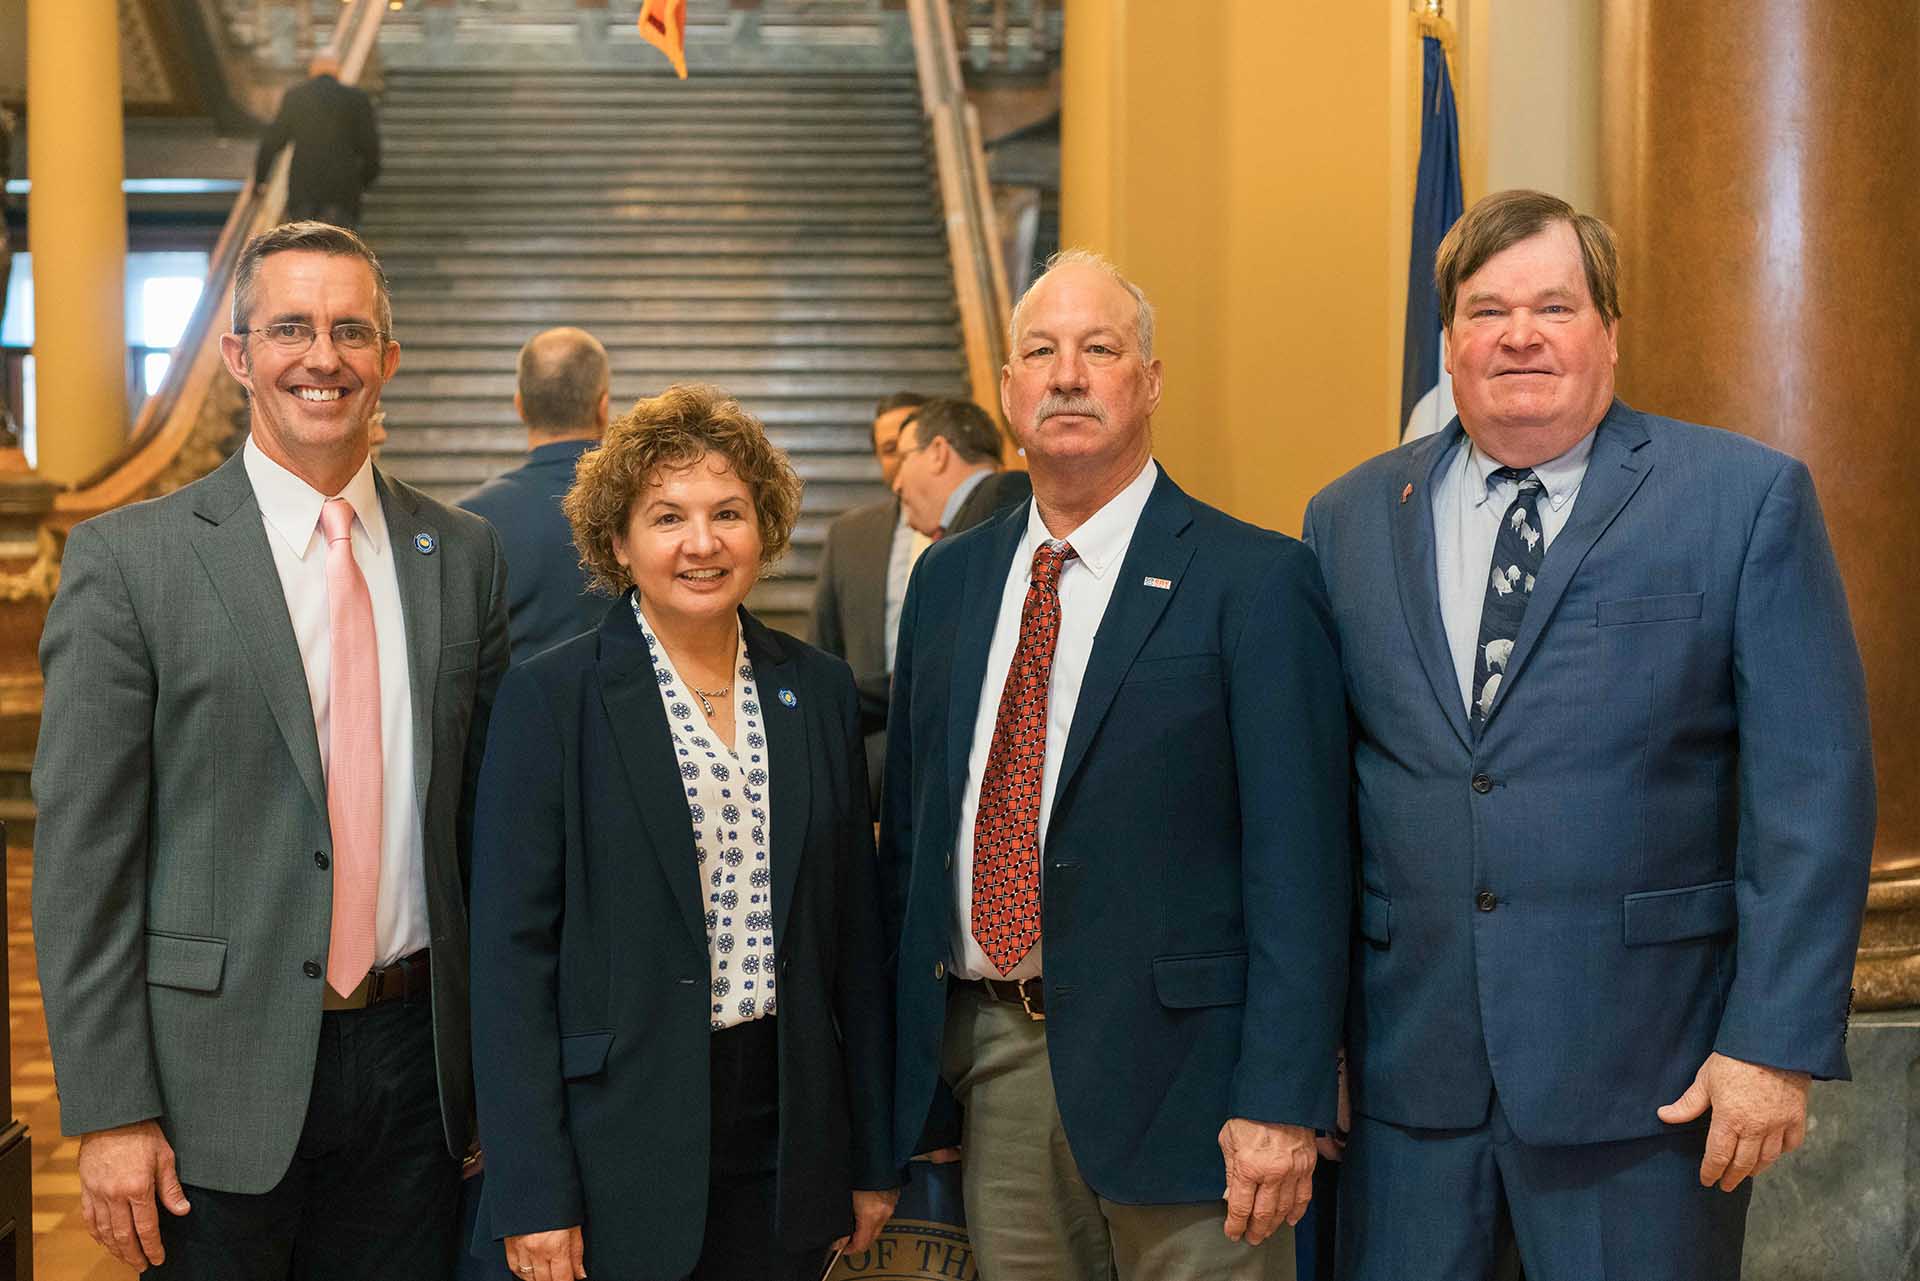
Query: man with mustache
(1115, 824)
(1614, 794)
(266, 705)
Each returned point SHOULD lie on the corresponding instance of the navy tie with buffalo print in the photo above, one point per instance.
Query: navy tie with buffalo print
(1517, 554)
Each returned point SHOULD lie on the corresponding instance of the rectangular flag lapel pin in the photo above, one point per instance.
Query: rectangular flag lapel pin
(1164, 584)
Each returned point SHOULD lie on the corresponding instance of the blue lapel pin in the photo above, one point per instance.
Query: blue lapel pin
(424, 543)
(786, 697)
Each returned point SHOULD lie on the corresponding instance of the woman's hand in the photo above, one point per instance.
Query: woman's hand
(559, 1255)
(871, 1210)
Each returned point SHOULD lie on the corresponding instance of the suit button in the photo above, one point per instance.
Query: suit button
(939, 970)
(311, 969)
(1486, 900)
(320, 859)
(949, 860)
(1482, 784)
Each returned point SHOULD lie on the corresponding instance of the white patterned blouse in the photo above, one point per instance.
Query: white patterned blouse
(726, 792)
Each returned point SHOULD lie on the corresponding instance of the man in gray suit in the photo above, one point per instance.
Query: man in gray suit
(863, 579)
(266, 702)
(949, 477)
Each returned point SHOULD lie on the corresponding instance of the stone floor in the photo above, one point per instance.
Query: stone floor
(62, 1250)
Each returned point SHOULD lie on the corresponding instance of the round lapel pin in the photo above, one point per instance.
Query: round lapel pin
(424, 543)
(786, 697)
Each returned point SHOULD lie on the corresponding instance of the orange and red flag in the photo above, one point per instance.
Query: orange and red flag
(663, 24)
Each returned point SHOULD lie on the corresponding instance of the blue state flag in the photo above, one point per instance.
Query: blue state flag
(1426, 392)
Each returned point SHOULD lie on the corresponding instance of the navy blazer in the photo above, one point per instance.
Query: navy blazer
(1196, 870)
(1657, 846)
(591, 1021)
(548, 599)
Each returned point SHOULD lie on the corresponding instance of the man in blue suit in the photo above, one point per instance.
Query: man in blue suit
(563, 397)
(1118, 737)
(1614, 797)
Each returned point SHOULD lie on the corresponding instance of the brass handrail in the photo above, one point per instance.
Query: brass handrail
(973, 236)
(169, 416)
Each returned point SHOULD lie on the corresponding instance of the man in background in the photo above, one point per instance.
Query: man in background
(336, 146)
(862, 580)
(563, 398)
(948, 476)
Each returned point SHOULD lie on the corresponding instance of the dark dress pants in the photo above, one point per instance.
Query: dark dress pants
(1458, 1205)
(372, 1194)
(741, 1243)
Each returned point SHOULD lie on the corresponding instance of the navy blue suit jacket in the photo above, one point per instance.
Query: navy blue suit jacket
(1671, 803)
(1196, 870)
(590, 978)
(548, 599)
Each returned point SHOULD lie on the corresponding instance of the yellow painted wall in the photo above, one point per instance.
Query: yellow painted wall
(1252, 173)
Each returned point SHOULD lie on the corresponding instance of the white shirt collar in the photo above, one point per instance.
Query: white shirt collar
(292, 506)
(1560, 477)
(1101, 541)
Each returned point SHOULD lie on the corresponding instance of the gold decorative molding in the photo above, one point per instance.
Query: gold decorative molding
(1886, 974)
(39, 580)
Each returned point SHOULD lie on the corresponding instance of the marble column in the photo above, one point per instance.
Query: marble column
(77, 221)
(1761, 164)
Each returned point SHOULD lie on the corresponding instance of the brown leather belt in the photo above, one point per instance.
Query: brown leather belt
(408, 979)
(1028, 994)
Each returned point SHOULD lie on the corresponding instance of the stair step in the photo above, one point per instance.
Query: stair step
(616, 242)
(660, 115)
(553, 269)
(866, 385)
(510, 441)
(770, 213)
(559, 182)
(619, 304)
(852, 408)
(508, 335)
(820, 298)
(420, 358)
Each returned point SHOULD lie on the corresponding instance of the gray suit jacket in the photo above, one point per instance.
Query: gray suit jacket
(180, 900)
(850, 615)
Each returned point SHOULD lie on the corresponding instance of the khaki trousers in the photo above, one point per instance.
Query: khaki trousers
(1030, 1215)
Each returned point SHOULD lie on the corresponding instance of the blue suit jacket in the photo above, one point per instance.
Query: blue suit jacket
(548, 599)
(1672, 801)
(590, 976)
(1196, 871)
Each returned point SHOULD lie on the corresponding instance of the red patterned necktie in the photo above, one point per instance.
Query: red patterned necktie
(1006, 826)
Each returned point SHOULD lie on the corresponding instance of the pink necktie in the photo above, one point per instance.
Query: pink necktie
(353, 754)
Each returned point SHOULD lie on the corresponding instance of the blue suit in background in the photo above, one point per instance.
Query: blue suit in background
(1656, 846)
(547, 596)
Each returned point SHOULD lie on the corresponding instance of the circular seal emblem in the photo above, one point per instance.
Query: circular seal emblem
(424, 543)
(786, 696)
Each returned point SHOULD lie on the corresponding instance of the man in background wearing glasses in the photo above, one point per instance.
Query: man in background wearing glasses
(267, 697)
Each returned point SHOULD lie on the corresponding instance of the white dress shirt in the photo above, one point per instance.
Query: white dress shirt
(907, 545)
(1468, 505)
(290, 510)
(1086, 585)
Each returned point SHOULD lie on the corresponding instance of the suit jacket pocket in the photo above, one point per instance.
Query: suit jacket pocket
(1376, 917)
(1180, 666)
(584, 1054)
(184, 961)
(1650, 609)
(1212, 978)
(459, 656)
(1690, 912)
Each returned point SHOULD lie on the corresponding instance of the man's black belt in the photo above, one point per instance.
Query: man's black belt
(408, 979)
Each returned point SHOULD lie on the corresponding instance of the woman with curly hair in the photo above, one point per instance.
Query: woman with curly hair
(680, 1018)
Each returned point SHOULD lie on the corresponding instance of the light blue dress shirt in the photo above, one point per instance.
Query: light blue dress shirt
(1468, 503)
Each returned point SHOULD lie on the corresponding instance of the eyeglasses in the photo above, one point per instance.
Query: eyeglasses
(296, 336)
